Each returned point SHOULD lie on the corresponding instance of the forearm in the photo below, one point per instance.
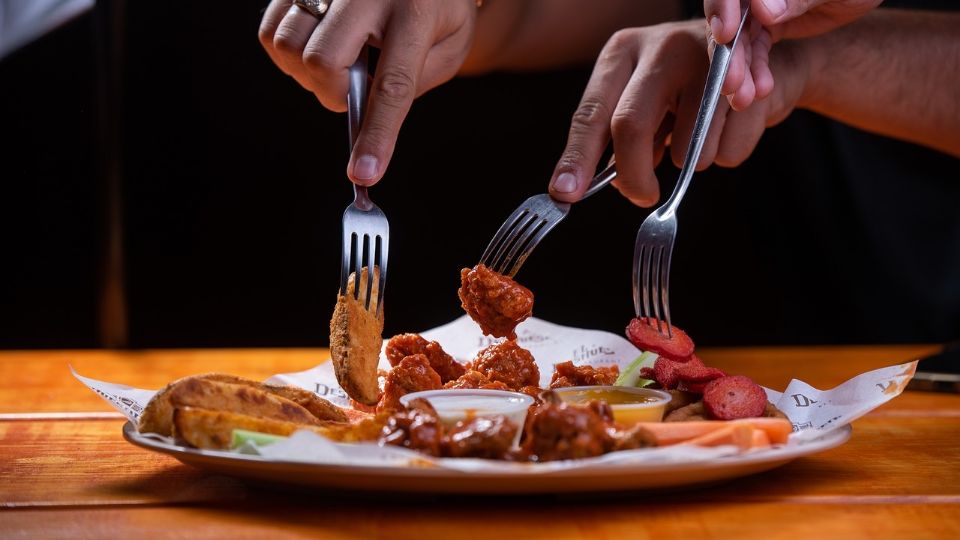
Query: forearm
(895, 73)
(545, 34)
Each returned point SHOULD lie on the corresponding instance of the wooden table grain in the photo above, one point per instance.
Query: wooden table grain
(67, 472)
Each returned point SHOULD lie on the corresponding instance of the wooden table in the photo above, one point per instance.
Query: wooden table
(67, 472)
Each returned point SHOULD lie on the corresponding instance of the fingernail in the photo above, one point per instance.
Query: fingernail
(565, 183)
(775, 7)
(365, 168)
(716, 26)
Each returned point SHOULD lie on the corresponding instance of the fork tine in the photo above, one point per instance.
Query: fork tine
(655, 285)
(345, 261)
(495, 245)
(509, 248)
(357, 252)
(382, 279)
(520, 241)
(645, 283)
(537, 234)
(370, 267)
(665, 285)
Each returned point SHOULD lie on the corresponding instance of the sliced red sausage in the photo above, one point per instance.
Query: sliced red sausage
(643, 333)
(733, 397)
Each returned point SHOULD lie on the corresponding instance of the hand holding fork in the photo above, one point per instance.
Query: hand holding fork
(654, 246)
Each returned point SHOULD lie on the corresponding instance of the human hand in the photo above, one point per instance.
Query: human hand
(422, 43)
(645, 93)
(749, 76)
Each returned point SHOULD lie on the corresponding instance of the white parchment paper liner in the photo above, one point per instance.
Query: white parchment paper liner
(813, 412)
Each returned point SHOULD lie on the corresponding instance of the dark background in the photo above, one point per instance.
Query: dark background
(234, 185)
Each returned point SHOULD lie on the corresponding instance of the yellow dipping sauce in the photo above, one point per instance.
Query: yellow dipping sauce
(630, 405)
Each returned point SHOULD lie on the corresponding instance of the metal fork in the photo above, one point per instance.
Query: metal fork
(366, 232)
(529, 223)
(654, 246)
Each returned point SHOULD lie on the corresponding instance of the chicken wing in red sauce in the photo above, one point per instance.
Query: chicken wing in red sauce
(417, 428)
(560, 430)
(475, 379)
(567, 374)
(412, 374)
(496, 302)
(489, 437)
(508, 363)
(404, 345)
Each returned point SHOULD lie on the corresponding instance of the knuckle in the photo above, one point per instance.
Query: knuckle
(572, 159)
(625, 125)
(591, 113)
(319, 60)
(621, 39)
(287, 42)
(395, 86)
(265, 35)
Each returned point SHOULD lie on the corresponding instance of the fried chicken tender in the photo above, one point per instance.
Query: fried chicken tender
(560, 430)
(475, 379)
(508, 363)
(356, 339)
(412, 374)
(404, 345)
(567, 374)
(496, 302)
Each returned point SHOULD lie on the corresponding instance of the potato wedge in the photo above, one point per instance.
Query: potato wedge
(239, 398)
(209, 429)
(157, 417)
(356, 340)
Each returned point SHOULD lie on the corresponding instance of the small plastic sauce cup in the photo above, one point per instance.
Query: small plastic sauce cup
(458, 404)
(630, 405)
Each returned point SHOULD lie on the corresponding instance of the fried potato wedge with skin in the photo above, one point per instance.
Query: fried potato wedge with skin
(204, 428)
(356, 338)
(238, 398)
(157, 417)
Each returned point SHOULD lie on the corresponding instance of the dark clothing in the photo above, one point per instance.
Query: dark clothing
(235, 183)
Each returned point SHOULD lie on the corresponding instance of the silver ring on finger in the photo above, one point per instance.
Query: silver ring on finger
(317, 8)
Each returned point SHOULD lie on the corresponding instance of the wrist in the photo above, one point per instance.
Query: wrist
(811, 60)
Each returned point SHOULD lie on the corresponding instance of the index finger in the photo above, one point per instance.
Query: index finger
(405, 48)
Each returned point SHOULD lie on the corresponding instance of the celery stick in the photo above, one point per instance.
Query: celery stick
(631, 375)
(241, 436)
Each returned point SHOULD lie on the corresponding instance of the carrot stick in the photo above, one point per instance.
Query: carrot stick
(667, 433)
(738, 434)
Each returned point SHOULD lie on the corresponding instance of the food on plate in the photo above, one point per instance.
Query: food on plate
(412, 374)
(733, 397)
(508, 363)
(496, 302)
(157, 416)
(560, 430)
(645, 334)
(629, 405)
(404, 345)
(356, 339)
(466, 404)
(567, 374)
(213, 429)
(700, 392)
(776, 430)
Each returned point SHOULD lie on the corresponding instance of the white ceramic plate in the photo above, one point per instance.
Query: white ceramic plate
(633, 476)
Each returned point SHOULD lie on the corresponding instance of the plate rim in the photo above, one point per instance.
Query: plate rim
(770, 458)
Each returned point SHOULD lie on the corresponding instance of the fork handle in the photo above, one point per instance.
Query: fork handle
(601, 180)
(356, 107)
(708, 105)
